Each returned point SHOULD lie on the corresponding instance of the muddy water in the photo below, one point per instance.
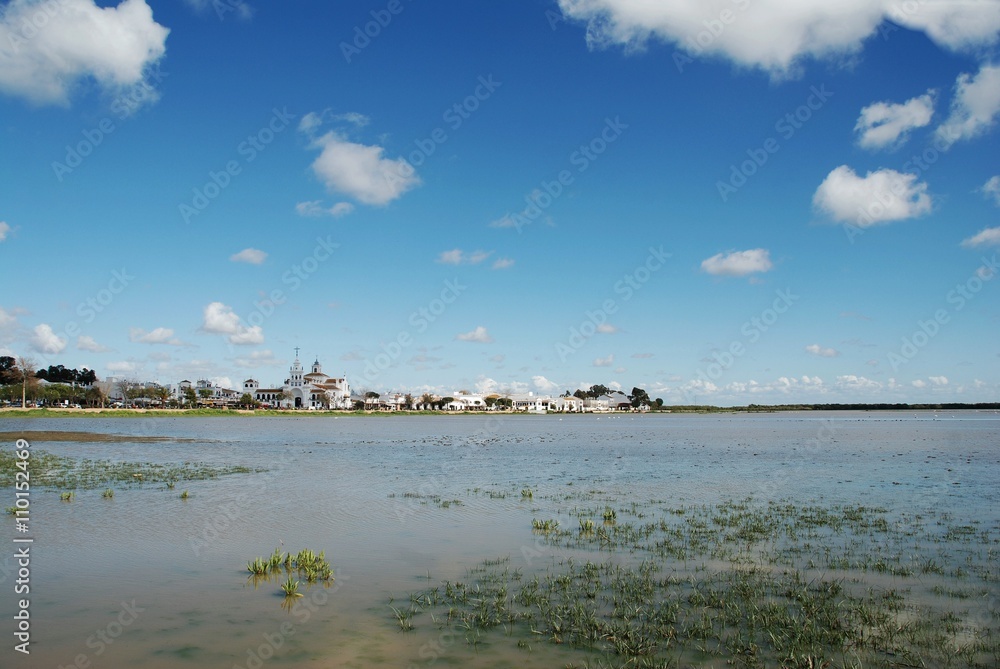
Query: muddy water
(147, 579)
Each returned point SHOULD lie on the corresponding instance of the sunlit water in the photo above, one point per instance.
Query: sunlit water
(368, 491)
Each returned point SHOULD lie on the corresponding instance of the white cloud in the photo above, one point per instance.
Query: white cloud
(542, 384)
(220, 319)
(4, 230)
(919, 383)
(360, 171)
(605, 362)
(75, 41)
(985, 237)
(974, 107)
(453, 257)
(7, 319)
(878, 197)
(88, 343)
(262, 358)
(607, 328)
(124, 367)
(776, 35)
(156, 336)
(822, 352)
(642, 356)
(939, 380)
(251, 256)
(853, 383)
(990, 189)
(503, 263)
(316, 208)
(885, 124)
(738, 263)
(478, 336)
(45, 341)
(459, 257)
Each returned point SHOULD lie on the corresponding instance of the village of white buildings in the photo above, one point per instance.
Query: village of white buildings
(311, 389)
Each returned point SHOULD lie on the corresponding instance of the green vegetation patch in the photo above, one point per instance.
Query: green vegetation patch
(59, 471)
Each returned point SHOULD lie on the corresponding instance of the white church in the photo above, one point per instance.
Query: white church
(314, 390)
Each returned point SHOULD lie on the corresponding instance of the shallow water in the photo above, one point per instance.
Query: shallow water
(373, 493)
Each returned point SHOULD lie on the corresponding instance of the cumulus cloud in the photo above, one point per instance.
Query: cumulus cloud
(49, 48)
(975, 106)
(885, 124)
(879, 197)
(738, 263)
(251, 256)
(262, 358)
(219, 318)
(478, 336)
(88, 343)
(316, 208)
(156, 336)
(361, 171)
(990, 189)
(4, 231)
(604, 362)
(45, 341)
(938, 380)
(460, 257)
(822, 352)
(985, 237)
(775, 36)
(503, 263)
(542, 384)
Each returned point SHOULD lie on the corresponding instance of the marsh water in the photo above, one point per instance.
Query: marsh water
(148, 579)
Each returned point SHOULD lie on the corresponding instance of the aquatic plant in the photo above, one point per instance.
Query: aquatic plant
(290, 588)
(185, 495)
(108, 493)
(527, 494)
(66, 496)
(257, 566)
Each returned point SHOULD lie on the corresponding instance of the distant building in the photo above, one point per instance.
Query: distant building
(302, 390)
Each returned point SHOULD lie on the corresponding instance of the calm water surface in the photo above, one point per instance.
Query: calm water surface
(371, 493)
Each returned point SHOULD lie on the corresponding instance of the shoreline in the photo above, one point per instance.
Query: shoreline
(68, 412)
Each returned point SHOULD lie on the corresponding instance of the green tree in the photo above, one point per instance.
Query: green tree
(190, 396)
(598, 390)
(638, 397)
(247, 401)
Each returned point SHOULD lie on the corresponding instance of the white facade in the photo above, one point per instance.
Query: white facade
(303, 390)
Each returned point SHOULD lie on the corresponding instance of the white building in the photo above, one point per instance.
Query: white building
(301, 390)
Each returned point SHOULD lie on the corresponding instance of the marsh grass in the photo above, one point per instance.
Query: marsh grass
(306, 564)
(58, 471)
(108, 493)
(740, 583)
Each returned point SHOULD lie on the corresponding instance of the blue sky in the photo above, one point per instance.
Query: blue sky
(721, 202)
